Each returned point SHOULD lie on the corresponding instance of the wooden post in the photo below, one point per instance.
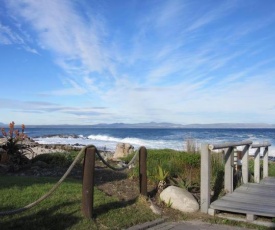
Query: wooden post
(257, 176)
(265, 162)
(143, 171)
(88, 182)
(245, 164)
(205, 177)
(228, 170)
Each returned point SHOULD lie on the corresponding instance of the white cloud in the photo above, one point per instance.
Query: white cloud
(9, 37)
(211, 15)
(166, 62)
(76, 43)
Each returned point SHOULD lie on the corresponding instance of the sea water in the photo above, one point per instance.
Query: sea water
(107, 138)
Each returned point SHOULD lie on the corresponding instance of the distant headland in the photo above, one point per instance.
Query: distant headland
(161, 125)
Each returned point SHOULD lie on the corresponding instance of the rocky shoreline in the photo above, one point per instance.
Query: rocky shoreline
(38, 149)
(40, 168)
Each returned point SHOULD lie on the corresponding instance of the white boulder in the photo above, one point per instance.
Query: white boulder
(123, 150)
(179, 199)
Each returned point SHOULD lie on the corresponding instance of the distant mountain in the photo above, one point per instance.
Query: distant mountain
(139, 125)
(193, 126)
(162, 125)
(231, 125)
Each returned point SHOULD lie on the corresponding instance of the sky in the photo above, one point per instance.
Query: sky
(131, 61)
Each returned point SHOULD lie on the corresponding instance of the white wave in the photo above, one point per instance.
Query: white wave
(110, 142)
(103, 138)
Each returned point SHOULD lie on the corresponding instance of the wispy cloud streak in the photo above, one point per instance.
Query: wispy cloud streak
(141, 58)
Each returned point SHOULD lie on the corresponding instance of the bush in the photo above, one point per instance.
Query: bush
(57, 159)
(14, 146)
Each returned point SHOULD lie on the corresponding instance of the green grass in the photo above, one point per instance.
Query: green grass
(178, 164)
(271, 169)
(62, 210)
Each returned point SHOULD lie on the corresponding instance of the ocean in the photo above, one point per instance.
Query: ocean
(107, 138)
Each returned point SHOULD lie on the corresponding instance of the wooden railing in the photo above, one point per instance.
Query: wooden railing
(229, 166)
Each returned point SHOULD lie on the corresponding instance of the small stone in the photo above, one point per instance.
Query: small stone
(155, 209)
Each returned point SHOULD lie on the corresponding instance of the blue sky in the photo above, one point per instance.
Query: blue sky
(180, 61)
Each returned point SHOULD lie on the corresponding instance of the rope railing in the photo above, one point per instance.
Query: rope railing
(29, 206)
(87, 207)
(126, 166)
(88, 176)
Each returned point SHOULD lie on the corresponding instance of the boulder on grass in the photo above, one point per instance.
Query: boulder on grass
(123, 150)
(179, 199)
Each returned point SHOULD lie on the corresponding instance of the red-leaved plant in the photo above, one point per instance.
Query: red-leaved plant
(14, 146)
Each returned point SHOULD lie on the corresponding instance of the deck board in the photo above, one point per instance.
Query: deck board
(251, 198)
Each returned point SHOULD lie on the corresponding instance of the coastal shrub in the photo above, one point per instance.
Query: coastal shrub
(191, 146)
(57, 159)
(14, 146)
(180, 165)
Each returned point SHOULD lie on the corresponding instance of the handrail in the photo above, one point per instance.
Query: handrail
(229, 166)
(266, 144)
(257, 165)
(229, 144)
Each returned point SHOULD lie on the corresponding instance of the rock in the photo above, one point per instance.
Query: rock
(179, 199)
(123, 150)
(155, 209)
(3, 141)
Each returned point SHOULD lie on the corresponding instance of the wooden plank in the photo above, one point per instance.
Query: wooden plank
(261, 187)
(268, 181)
(250, 199)
(261, 190)
(257, 190)
(240, 207)
(247, 207)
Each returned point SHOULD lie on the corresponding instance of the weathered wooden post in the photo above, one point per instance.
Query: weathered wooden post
(228, 169)
(143, 171)
(257, 173)
(245, 164)
(205, 177)
(257, 169)
(88, 182)
(265, 162)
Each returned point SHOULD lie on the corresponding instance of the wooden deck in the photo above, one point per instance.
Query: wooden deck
(252, 199)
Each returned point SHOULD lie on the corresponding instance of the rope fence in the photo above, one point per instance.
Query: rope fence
(88, 183)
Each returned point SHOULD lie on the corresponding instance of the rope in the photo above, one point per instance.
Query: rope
(19, 210)
(114, 168)
(29, 206)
